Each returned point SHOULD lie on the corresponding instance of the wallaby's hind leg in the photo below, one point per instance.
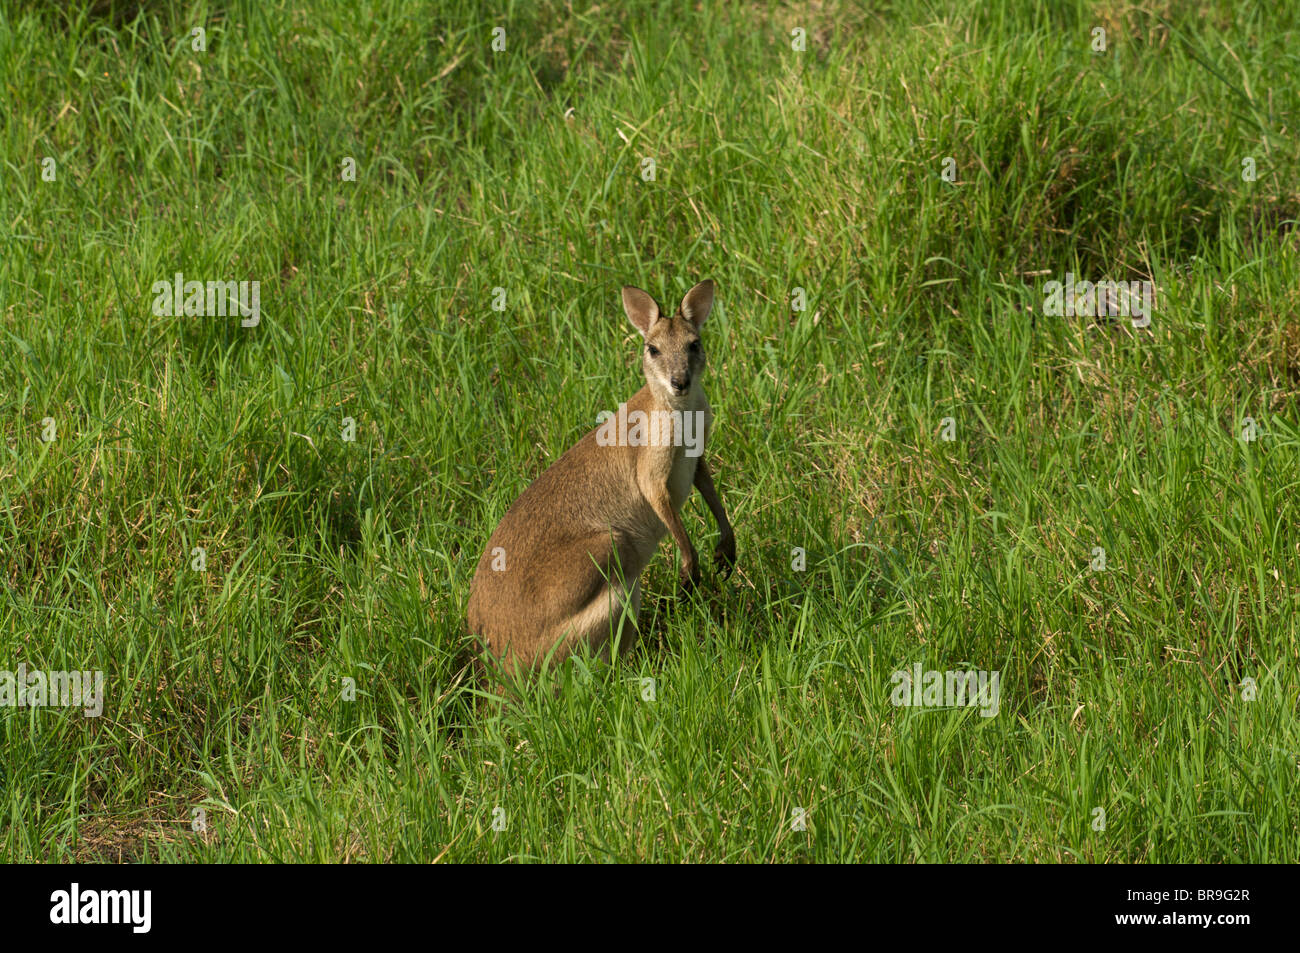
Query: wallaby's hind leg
(609, 617)
(631, 631)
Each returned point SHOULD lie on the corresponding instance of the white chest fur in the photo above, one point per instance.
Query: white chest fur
(696, 421)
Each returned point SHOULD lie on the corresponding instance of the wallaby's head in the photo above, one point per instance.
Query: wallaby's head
(673, 359)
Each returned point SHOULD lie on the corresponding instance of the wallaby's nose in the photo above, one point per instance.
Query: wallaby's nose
(681, 382)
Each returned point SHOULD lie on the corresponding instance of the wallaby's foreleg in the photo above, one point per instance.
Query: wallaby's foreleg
(662, 504)
(724, 557)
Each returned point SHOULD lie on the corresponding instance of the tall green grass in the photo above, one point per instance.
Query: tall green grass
(774, 170)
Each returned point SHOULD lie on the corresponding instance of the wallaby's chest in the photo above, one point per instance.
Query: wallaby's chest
(688, 449)
(668, 458)
(681, 477)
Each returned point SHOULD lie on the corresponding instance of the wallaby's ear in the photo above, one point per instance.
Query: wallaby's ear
(640, 307)
(698, 303)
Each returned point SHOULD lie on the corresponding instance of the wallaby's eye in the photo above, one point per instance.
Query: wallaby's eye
(654, 351)
(695, 347)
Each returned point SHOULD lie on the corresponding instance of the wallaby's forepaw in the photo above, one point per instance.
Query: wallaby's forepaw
(724, 557)
(689, 577)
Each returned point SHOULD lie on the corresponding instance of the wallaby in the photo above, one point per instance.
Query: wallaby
(563, 568)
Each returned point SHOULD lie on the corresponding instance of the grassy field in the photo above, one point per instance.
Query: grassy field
(881, 198)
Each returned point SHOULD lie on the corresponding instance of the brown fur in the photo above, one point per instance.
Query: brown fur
(577, 539)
